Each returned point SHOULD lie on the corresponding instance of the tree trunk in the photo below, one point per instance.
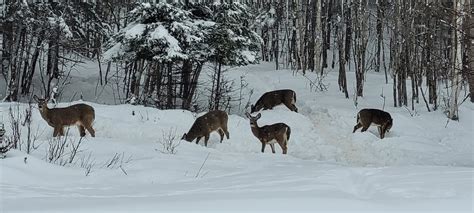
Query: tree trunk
(169, 93)
(27, 80)
(379, 35)
(186, 84)
(13, 71)
(275, 43)
(457, 57)
(469, 30)
(218, 87)
(318, 38)
(342, 80)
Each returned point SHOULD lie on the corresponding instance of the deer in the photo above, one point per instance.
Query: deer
(204, 125)
(81, 115)
(270, 134)
(273, 98)
(376, 117)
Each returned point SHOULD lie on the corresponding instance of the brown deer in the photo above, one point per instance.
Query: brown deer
(204, 125)
(270, 134)
(376, 117)
(273, 98)
(81, 115)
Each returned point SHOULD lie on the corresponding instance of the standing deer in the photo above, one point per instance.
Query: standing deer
(273, 98)
(81, 115)
(376, 117)
(270, 134)
(204, 125)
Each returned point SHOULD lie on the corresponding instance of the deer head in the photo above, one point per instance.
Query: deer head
(42, 103)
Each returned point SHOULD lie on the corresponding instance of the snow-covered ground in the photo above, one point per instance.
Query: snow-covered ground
(422, 164)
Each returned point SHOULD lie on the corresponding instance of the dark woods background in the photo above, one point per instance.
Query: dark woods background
(155, 53)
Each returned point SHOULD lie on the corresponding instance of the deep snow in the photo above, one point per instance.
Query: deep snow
(422, 164)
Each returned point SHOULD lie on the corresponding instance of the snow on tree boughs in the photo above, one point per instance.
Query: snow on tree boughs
(161, 32)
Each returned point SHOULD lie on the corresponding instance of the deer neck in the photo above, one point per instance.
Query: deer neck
(45, 113)
(255, 130)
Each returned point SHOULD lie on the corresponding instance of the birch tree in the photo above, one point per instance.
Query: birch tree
(457, 59)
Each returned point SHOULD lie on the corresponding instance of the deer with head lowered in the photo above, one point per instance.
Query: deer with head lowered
(270, 134)
(376, 117)
(204, 125)
(273, 98)
(81, 115)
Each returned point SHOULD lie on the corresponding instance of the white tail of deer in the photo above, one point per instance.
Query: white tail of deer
(81, 115)
(270, 134)
(379, 118)
(204, 125)
(273, 98)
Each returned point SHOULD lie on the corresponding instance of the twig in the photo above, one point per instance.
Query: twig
(197, 174)
(123, 170)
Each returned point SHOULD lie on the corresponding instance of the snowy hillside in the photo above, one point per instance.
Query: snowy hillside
(422, 164)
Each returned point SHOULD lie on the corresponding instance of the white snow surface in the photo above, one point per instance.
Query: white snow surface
(135, 32)
(422, 164)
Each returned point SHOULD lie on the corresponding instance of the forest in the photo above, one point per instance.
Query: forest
(154, 52)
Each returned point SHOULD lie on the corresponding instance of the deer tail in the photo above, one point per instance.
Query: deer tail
(288, 133)
(294, 96)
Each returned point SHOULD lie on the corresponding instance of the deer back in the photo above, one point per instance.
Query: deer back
(77, 113)
(207, 123)
(276, 131)
(274, 98)
(375, 116)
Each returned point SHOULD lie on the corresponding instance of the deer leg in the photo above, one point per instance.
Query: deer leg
(221, 133)
(55, 132)
(294, 108)
(198, 139)
(61, 131)
(356, 127)
(82, 130)
(206, 138)
(273, 147)
(283, 146)
(263, 147)
(365, 127)
(226, 132)
(382, 132)
(291, 106)
(90, 130)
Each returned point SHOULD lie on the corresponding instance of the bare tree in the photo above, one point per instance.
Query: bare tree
(469, 47)
(457, 59)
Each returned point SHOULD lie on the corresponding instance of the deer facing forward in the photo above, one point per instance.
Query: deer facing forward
(270, 134)
(81, 115)
(204, 125)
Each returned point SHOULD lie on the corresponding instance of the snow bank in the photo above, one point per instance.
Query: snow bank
(421, 165)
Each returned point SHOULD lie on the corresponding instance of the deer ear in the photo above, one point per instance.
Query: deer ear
(36, 98)
(184, 136)
(259, 115)
(247, 114)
